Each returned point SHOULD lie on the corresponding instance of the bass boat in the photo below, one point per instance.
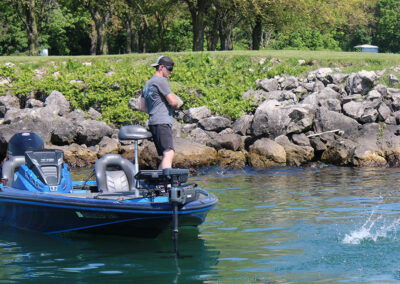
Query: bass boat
(37, 193)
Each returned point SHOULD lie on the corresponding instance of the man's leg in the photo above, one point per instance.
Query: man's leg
(168, 157)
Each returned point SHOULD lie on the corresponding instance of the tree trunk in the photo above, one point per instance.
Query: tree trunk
(198, 11)
(257, 33)
(102, 39)
(33, 34)
(93, 39)
(129, 35)
(212, 34)
(225, 35)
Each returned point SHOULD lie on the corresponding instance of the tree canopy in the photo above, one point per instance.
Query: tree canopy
(73, 27)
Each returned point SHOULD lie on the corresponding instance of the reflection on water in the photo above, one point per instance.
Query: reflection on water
(277, 225)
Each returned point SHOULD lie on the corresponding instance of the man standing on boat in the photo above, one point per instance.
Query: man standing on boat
(158, 101)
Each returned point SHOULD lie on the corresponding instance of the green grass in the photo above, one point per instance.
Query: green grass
(214, 79)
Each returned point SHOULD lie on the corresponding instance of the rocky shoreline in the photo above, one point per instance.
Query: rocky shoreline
(327, 117)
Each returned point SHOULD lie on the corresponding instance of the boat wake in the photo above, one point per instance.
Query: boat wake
(375, 228)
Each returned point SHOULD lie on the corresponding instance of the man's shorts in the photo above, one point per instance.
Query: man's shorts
(162, 137)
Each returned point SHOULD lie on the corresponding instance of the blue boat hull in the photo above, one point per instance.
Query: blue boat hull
(53, 214)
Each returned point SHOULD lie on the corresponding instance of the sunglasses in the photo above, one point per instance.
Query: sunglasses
(169, 68)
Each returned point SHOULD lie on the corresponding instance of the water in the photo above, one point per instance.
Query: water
(271, 226)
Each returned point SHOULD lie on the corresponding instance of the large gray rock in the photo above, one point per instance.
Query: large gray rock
(228, 141)
(295, 154)
(266, 153)
(58, 99)
(77, 116)
(290, 83)
(270, 150)
(268, 85)
(272, 119)
(338, 78)
(108, 145)
(320, 74)
(7, 102)
(64, 133)
(195, 114)
(339, 152)
(242, 124)
(282, 96)
(255, 96)
(215, 123)
(90, 132)
(361, 82)
(326, 120)
(326, 97)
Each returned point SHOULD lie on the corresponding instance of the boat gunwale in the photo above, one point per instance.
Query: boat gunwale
(89, 203)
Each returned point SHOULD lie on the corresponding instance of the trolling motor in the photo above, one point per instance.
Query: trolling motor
(171, 179)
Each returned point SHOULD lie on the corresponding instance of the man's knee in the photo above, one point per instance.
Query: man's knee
(169, 153)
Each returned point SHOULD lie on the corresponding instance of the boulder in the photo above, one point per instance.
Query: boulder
(195, 114)
(301, 139)
(228, 141)
(339, 152)
(198, 135)
(361, 82)
(295, 154)
(64, 132)
(242, 124)
(76, 116)
(268, 85)
(7, 102)
(338, 78)
(94, 114)
(320, 74)
(393, 80)
(265, 152)
(289, 83)
(32, 103)
(231, 160)
(190, 154)
(90, 132)
(366, 156)
(255, 96)
(272, 119)
(283, 96)
(108, 145)
(58, 99)
(326, 120)
(215, 123)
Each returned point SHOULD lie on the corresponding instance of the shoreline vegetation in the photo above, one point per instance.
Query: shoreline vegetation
(257, 108)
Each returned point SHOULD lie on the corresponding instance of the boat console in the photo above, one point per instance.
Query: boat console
(46, 164)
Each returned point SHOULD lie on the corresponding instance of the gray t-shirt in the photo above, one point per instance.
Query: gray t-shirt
(154, 92)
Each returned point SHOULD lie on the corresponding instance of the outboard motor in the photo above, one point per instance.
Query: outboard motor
(22, 142)
(17, 146)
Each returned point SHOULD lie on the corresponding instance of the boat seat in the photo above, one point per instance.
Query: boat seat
(115, 174)
(10, 167)
(133, 132)
(46, 164)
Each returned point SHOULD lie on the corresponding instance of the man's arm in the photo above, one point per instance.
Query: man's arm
(142, 105)
(174, 101)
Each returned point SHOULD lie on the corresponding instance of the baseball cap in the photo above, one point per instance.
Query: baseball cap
(163, 60)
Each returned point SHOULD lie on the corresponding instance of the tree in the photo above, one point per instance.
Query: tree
(198, 10)
(256, 14)
(388, 21)
(12, 32)
(31, 13)
(101, 12)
